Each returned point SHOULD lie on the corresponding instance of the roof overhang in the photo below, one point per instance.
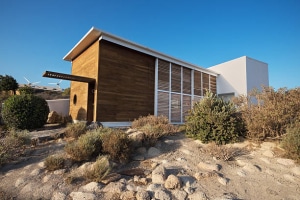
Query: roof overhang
(94, 34)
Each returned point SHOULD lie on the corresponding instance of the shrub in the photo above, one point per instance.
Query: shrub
(54, 162)
(269, 113)
(76, 129)
(11, 145)
(87, 146)
(154, 127)
(99, 169)
(222, 152)
(25, 112)
(214, 120)
(26, 90)
(291, 141)
(116, 143)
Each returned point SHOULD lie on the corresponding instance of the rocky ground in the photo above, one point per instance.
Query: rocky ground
(176, 168)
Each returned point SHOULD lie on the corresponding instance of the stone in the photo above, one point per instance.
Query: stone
(223, 180)
(137, 138)
(289, 177)
(296, 171)
(241, 162)
(286, 162)
(127, 195)
(210, 167)
(159, 175)
(131, 130)
(202, 175)
(91, 187)
(142, 195)
(153, 152)
(198, 196)
(58, 196)
(268, 153)
(53, 117)
(140, 181)
(94, 125)
(265, 160)
(82, 195)
(185, 151)
(179, 194)
(115, 187)
(110, 178)
(36, 172)
(138, 158)
(172, 182)
(267, 145)
(251, 168)
(44, 191)
(153, 187)
(141, 150)
(162, 194)
(241, 172)
(130, 187)
(20, 181)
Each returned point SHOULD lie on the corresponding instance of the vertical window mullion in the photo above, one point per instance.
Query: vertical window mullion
(156, 88)
(181, 97)
(170, 89)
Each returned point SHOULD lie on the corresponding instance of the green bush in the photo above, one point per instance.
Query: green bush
(154, 127)
(99, 169)
(54, 162)
(116, 143)
(291, 141)
(25, 112)
(214, 120)
(269, 113)
(87, 146)
(75, 129)
(26, 90)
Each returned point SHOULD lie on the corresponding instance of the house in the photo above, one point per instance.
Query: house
(240, 76)
(115, 81)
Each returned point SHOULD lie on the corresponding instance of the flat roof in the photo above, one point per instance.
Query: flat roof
(95, 34)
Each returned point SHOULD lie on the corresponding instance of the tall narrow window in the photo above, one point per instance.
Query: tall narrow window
(186, 80)
(205, 83)
(176, 78)
(213, 84)
(163, 104)
(197, 83)
(163, 75)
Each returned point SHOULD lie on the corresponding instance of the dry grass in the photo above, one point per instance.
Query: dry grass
(54, 162)
(222, 152)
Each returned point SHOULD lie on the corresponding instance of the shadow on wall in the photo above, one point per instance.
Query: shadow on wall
(81, 114)
(61, 106)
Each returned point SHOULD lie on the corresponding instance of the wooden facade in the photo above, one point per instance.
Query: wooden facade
(132, 81)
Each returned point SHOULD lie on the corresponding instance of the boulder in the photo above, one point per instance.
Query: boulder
(82, 195)
(142, 195)
(137, 138)
(53, 117)
(159, 175)
(172, 182)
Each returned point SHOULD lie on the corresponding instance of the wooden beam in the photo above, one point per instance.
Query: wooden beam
(68, 77)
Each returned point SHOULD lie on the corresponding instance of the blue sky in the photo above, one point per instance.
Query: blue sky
(36, 35)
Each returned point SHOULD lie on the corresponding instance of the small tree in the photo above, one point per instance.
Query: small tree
(8, 83)
(214, 120)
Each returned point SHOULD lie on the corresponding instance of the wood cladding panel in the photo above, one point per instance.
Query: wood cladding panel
(126, 84)
(186, 105)
(213, 84)
(86, 64)
(175, 78)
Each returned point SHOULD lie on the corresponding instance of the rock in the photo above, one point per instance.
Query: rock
(267, 145)
(210, 167)
(82, 195)
(90, 187)
(181, 159)
(137, 138)
(142, 195)
(269, 153)
(138, 158)
(251, 168)
(58, 196)
(241, 173)
(159, 175)
(198, 196)
(169, 141)
(27, 190)
(141, 150)
(199, 175)
(127, 195)
(265, 160)
(152, 152)
(241, 162)
(115, 187)
(286, 162)
(162, 194)
(53, 117)
(172, 182)
(44, 191)
(296, 171)
(110, 178)
(20, 181)
(185, 151)
(289, 177)
(140, 181)
(226, 197)
(36, 172)
(179, 194)
(153, 187)
(94, 125)
(223, 180)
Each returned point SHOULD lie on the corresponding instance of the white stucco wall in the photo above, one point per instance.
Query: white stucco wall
(232, 76)
(61, 106)
(241, 75)
(257, 74)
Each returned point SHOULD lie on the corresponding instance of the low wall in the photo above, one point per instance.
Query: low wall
(61, 106)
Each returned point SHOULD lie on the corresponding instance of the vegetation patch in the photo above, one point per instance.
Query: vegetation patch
(54, 162)
(214, 120)
(291, 142)
(76, 129)
(99, 170)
